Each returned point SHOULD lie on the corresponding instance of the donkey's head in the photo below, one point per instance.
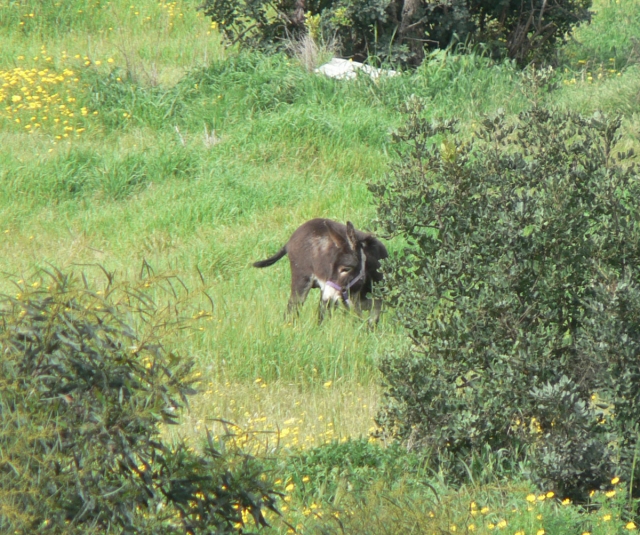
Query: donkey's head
(346, 264)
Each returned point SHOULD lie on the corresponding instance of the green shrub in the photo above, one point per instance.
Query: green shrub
(86, 388)
(400, 30)
(519, 288)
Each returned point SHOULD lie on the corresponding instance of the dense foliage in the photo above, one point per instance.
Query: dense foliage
(86, 385)
(520, 290)
(400, 30)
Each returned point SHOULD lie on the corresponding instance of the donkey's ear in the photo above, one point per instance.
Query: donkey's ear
(336, 238)
(351, 236)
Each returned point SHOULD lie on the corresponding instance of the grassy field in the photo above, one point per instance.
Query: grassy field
(130, 136)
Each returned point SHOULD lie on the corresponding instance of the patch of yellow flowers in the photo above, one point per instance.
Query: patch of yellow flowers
(38, 97)
(585, 74)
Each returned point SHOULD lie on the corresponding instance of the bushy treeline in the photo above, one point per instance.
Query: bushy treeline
(520, 291)
(401, 30)
(85, 387)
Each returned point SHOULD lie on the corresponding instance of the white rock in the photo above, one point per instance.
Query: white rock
(346, 69)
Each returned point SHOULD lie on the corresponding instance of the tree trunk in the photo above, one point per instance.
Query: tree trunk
(298, 14)
(409, 10)
(411, 30)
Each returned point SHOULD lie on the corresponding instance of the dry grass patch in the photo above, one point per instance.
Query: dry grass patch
(282, 414)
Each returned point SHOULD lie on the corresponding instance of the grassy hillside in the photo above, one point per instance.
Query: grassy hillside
(131, 137)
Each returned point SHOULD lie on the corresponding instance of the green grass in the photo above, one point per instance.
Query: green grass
(142, 183)
(611, 38)
(292, 146)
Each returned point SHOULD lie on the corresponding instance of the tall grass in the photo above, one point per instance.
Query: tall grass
(145, 186)
(611, 38)
(142, 181)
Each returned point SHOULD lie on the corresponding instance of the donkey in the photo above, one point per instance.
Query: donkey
(339, 260)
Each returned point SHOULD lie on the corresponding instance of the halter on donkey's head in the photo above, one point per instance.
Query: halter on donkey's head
(344, 292)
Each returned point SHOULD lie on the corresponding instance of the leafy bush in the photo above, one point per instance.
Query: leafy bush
(86, 387)
(519, 288)
(401, 29)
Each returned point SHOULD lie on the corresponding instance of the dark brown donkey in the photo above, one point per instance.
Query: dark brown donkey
(339, 260)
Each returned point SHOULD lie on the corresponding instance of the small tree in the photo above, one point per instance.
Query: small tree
(401, 30)
(86, 386)
(519, 288)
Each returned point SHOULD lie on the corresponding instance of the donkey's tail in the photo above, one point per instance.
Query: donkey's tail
(272, 259)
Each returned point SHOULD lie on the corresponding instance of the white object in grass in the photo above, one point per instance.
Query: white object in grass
(346, 69)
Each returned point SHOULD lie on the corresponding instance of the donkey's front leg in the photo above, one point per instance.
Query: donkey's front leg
(372, 304)
(323, 307)
(376, 310)
(300, 287)
(327, 302)
(357, 304)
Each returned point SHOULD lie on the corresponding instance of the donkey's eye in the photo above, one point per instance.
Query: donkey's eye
(346, 270)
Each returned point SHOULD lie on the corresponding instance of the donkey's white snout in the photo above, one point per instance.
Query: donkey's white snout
(329, 293)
